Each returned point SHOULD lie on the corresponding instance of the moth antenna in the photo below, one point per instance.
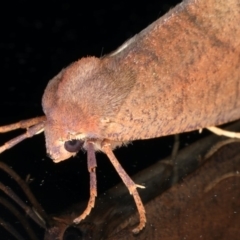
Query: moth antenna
(92, 164)
(132, 187)
(22, 124)
(31, 131)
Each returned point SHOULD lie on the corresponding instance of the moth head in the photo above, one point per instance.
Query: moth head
(71, 116)
(80, 103)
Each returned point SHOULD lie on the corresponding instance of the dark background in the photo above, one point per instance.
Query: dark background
(38, 39)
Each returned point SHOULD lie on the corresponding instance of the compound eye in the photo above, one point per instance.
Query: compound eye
(73, 145)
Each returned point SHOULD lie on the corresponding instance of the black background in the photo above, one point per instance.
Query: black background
(38, 39)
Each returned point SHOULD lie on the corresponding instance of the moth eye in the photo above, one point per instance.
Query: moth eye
(73, 145)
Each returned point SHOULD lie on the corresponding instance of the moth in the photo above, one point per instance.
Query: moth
(179, 74)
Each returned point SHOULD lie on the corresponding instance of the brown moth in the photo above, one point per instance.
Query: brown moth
(179, 74)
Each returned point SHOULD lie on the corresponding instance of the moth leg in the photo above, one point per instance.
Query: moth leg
(22, 124)
(92, 164)
(222, 132)
(175, 149)
(174, 153)
(132, 187)
(36, 129)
